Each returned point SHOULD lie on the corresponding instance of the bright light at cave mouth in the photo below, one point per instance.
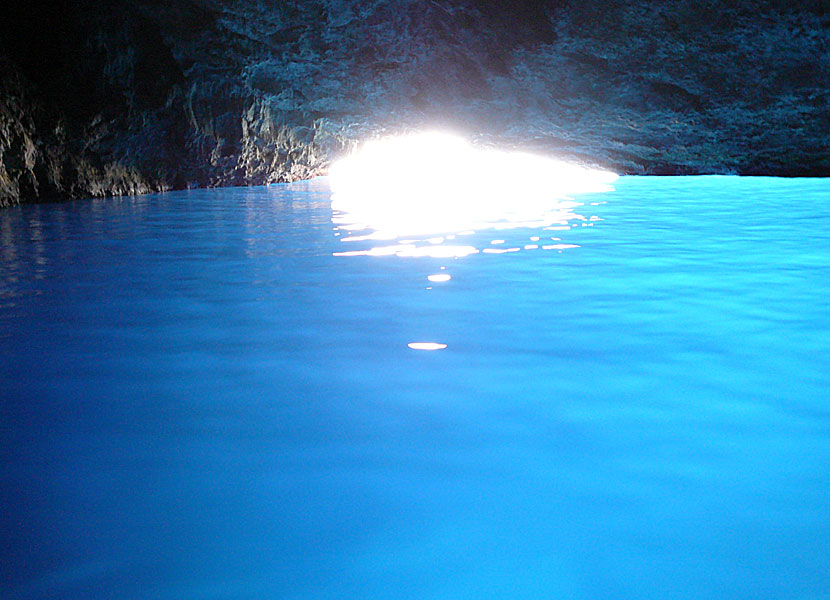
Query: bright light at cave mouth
(439, 183)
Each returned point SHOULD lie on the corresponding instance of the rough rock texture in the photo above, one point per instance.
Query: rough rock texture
(121, 97)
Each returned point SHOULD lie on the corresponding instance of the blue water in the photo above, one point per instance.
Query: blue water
(201, 401)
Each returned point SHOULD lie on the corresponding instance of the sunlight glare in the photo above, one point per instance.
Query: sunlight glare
(434, 182)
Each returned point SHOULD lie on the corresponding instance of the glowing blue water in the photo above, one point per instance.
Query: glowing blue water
(200, 401)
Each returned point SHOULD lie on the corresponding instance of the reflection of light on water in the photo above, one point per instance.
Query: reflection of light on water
(559, 246)
(412, 250)
(426, 346)
(411, 188)
(439, 277)
(500, 250)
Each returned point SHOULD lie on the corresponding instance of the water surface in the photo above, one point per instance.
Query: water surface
(207, 394)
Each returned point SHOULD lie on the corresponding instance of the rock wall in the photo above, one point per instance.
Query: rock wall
(119, 97)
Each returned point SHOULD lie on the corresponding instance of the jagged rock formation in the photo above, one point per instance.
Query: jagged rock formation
(129, 97)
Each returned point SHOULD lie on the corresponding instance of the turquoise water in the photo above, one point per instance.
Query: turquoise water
(202, 398)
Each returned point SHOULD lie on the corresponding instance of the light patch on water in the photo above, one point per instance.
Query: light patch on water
(378, 251)
(426, 346)
(439, 277)
(439, 251)
(377, 235)
(559, 246)
(500, 250)
(411, 250)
